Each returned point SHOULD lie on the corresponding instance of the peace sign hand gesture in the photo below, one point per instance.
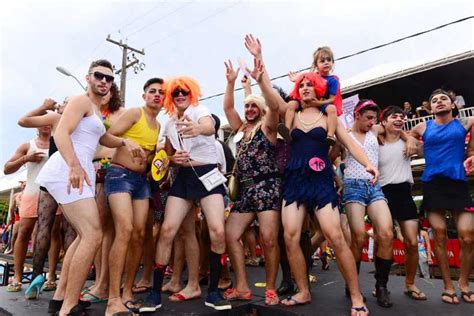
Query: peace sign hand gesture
(230, 73)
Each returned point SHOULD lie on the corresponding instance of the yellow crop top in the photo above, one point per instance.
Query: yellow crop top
(142, 134)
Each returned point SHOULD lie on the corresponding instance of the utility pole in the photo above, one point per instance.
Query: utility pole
(126, 63)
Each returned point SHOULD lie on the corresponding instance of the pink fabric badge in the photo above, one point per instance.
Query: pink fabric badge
(317, 164)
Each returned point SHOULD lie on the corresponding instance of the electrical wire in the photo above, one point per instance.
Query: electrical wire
(194, 24)
(362, 51)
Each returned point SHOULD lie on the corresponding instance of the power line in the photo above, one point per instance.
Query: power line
(149, 11)
(362, 51)
(194, 24)
(167, 15)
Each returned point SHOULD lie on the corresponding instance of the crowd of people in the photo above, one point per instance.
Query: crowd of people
(425, 108)
(123, 197)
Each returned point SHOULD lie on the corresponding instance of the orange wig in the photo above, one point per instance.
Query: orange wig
(184, 83)
(319, 84)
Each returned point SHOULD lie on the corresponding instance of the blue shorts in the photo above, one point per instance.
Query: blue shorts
(362, 191)
(120, 180)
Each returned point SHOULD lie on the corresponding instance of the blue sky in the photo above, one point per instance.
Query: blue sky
(196, 37)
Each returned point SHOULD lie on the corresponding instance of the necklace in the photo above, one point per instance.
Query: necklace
(309, 124)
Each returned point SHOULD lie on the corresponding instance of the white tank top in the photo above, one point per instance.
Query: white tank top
(354, 170)
(394, 167)
(33, 168)
(85, 139)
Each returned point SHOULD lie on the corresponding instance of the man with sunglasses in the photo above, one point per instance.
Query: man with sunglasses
(128, 190)
(362, 195)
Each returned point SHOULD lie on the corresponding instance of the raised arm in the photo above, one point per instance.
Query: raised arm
(246, 85)
(355, 150)
(272, 99)
(40, 116)
(254, 47)
(232, 115)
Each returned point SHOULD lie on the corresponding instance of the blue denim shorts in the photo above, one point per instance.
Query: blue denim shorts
(362, 191)
(120, 180)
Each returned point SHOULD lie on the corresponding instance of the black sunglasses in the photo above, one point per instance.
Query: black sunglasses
(99, 76)
(176, 92)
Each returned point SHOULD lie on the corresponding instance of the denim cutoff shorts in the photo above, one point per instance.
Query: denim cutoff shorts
(120, 180)
(362, 191)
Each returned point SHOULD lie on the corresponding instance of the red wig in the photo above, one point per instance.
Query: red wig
(319, 84)
(184, 83)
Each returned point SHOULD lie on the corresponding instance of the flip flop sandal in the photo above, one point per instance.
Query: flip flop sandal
(469, 294)
(133, 305)
(452, 296)
(49, 286)
(14, 287)
(356, 310)
(89, 297)
(271, 297)
(178, 297)
(233, 295)
(415, 295)
(140, 289)
(295, 302)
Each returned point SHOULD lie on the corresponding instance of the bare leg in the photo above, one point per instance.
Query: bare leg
(438, 223)
(381, 218)
(84, 217)
(331, 227)
(355, 216)
(21, 244)
(176, 211)
(292, 219)
(465, 227)
(135, 251)
(269, 224)
(151, 235)
(235, 227)
(174, 285)
(191, 248)
(409, 231)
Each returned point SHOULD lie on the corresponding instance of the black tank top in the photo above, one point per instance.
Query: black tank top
(52, 146)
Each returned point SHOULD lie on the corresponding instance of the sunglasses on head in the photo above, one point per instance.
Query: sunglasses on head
(176, 93)
(99, 76)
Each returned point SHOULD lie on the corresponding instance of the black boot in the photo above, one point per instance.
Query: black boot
(382, 271)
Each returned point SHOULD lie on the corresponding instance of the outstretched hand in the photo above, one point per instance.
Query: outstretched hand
(230, 73)
(188, 128)
(258, 70)
(253, 46)
(292, 75)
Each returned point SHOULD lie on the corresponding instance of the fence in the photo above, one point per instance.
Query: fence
(410, 123)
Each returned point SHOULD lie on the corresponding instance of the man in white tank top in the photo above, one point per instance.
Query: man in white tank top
(32, 154)
(396, 180)
(362, 195)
